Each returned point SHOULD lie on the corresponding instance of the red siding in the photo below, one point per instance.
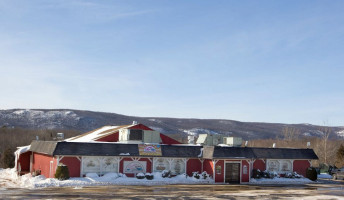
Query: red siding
(300, 166)
(141, 127)
(193, 165)
(148, 169)
(208, 167)
(245, 177)
(73, 164)
(115, 137)
(259, 164)
(110, 138)
(42, 162)
(219, 177)
(167, 140)
(24, 161)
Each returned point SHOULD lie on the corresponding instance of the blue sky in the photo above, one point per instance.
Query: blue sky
(264, 61)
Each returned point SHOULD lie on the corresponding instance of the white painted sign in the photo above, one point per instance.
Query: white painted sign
(133, 167)
(99, 165)
(280, 166)
(244, 169)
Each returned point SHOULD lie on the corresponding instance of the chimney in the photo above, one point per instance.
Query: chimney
(37, 138)
(191, 139)
(246, 142)
(134, 122)
(274, 145)
(60, 136)
(308, 145)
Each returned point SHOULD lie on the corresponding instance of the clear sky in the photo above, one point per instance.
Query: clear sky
(264, 61)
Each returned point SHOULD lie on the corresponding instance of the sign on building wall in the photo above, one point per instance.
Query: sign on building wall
(161, 165)
(273, 165)
(90, 165)
(244, 169)
(99, 165)
(279, 165)
(286, 166)
(175, 165)
(149, 150)
(218, 169)
(109, 164)
(133, 167)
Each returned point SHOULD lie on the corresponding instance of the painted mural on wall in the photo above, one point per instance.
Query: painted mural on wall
(149, 150)
(218, 169)
(286, 166)
(175, 165)
(133, 167)
(90, 165)
(161, 165)
(279, 165)
(109, 165)
(99, 165)
(178, 166)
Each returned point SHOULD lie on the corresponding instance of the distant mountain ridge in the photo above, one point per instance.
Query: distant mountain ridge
(88, 120)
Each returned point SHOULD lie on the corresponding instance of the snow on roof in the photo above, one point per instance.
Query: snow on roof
(20, 150)
(96, 134)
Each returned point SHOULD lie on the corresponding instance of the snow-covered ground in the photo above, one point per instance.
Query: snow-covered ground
(324, 176)
(9, 179)
(278, 180)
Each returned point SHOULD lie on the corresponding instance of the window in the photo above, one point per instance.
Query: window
(136, 134)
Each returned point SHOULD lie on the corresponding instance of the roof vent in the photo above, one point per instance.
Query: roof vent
(246, 142)
(134, 122)
(274, 145)
(60, 136)
(308, 145)
(191, 139)
(232, 141)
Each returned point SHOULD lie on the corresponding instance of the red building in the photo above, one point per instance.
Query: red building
(137, 148)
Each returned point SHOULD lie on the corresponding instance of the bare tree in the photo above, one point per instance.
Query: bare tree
(290, 133)
(326, 132)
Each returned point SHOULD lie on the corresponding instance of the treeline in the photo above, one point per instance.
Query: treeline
(327, 151)
(11, 138)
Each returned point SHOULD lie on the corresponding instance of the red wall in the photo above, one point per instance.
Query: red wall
(141, 126)
(73, 164)
(245, 177)
(300, 166)
(115, 136)
(24, 161)
(110, 138)
(220, 177)
(259, 164)
(208, 167)
(148, 169)
(42, 162)
(193, 165)
(167, 140)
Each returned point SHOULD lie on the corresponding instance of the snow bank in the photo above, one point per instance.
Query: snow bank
(92, 175)
(324, 176)
(278, 180)
(10, 179)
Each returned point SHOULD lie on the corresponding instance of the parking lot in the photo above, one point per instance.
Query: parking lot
(324, 189)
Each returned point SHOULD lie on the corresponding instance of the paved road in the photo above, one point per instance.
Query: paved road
(325, 189)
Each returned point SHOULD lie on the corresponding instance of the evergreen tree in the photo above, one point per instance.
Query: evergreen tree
(8, 158)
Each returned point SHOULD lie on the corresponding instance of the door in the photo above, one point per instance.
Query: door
(232, 174)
